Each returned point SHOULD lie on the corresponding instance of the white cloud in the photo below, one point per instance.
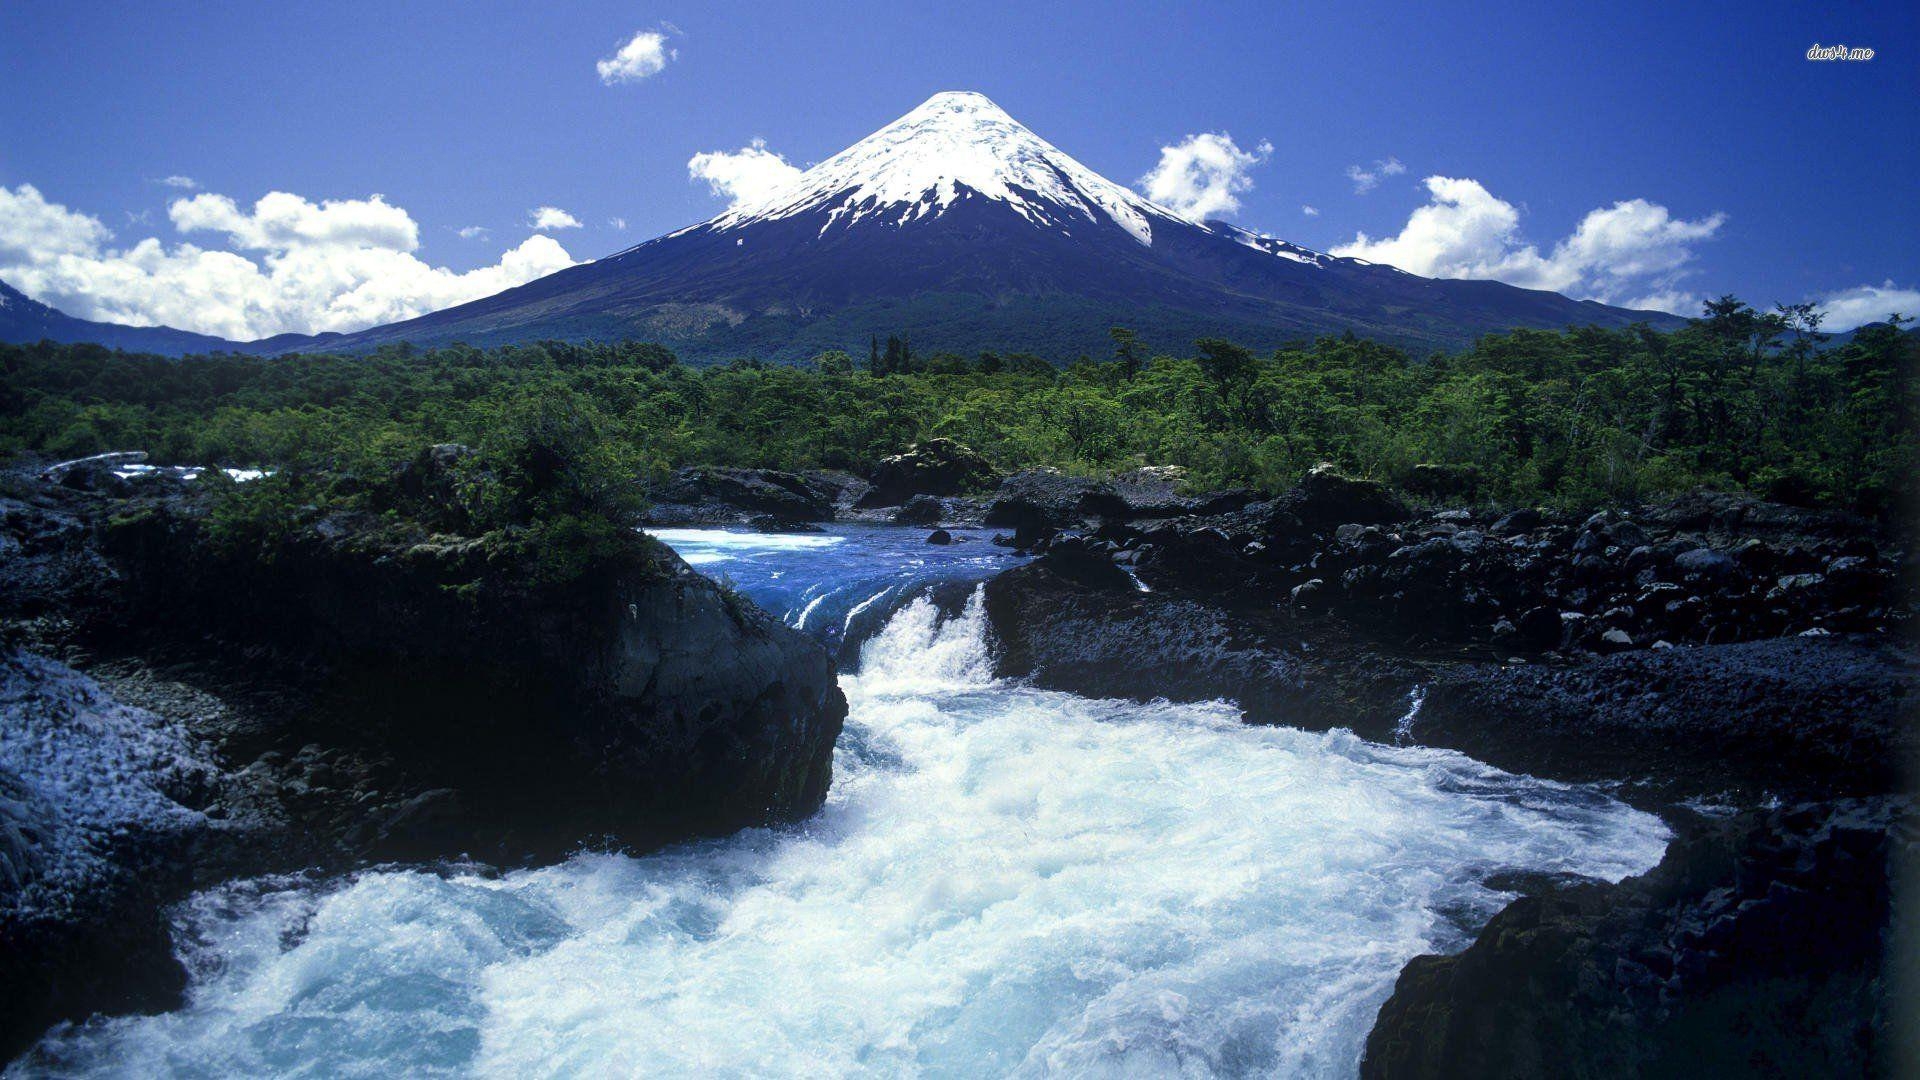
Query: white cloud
(335, 265)
(1365, 180)
(617, 224)
(474, 232)
(1202, 176)
(1673, 301)
(1862, 304)
(744, 177)
(183, 183)
(281, 220)
(1310, 211)
(646, 53)
(1465, 231)
(33, 228)
(549, 218)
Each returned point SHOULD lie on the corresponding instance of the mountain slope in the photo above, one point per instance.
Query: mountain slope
(23, 319)
(961, 227)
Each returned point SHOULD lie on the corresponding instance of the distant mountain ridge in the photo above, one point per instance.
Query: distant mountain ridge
(959, 227)
(23, 319)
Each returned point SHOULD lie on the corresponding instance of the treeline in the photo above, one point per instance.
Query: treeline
(1741, 399)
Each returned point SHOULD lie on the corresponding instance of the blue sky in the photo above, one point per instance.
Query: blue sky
(1778, 178)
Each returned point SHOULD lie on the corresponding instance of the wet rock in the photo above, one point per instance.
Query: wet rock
(920, 510)
(771, 523)
(1758, 947)
(1812, 717)
(940, 536)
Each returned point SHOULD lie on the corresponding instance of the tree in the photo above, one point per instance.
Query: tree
(1126, 349)
(833, 362)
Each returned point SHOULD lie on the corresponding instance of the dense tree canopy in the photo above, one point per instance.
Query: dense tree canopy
(1740, 399)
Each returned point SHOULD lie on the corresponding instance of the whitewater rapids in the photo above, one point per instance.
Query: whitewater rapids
(1004, 882)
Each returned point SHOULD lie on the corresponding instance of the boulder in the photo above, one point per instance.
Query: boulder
(932, 467)
(773, 523)
(1048, 498)
(1514, 523)
(714, 494)
(920, 510)
(1325, 500)
(940, 537)
(1707, 565)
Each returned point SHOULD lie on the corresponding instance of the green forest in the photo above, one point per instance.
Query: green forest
(1740, 399)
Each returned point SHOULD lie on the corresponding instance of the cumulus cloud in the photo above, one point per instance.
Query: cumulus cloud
(549, 218)
(1465, 231)
(334, 265)
(1202, 176)
(1863, 304)
(282, 221)
(645, 54)
(474, 232)
(744, 177)
(1365, 180)
(1310, 211)
(182, 183)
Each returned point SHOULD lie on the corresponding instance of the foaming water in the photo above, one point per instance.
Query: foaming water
(1004, 882)
(843, 584)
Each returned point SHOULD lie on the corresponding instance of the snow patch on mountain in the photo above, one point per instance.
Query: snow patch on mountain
(957, 145)
(1277, 247)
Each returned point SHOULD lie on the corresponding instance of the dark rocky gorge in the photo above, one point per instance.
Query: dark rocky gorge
(367, 690)
(1711, 650)
(1742, 668)
(379, 690)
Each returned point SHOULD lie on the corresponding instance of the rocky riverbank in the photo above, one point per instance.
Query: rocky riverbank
(357, 688)
(1742, 669)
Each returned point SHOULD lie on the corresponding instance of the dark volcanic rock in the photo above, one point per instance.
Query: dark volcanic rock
(714, 495)
(1805, 717)
(769, 523)
(98, 817)
(1758, 947)
(1046, 499)
(368, 690)
(933, 467)
(920, 510)
(1050, 499)
(633, 699)
(1077, 623)
(1325, 500)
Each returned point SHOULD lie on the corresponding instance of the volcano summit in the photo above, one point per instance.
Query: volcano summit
(961, 228)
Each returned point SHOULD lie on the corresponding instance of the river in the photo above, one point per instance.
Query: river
(1005, 881)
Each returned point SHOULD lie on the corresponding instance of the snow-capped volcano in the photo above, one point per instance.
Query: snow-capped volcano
(958, 227)
(957, 145)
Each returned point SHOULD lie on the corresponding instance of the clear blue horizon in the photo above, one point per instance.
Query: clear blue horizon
(1780, 178)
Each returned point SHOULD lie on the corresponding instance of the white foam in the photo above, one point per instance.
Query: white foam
(1005, 882)
(707, 547)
